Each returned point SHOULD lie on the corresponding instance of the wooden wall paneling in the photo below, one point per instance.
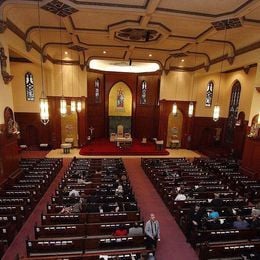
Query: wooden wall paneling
(82, 123)
(240, 133)
(251, 156)
(9, 157)
(32, 131)
(55, 121)
(96, 111)
(130, 80)
(147, 114)
(164, 111)
(204, 130)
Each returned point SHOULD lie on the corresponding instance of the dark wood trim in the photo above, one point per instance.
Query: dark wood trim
(19, 59)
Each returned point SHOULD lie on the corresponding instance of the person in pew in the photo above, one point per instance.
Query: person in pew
(213, 214)
(74, 193)
(180, 196)
(152, 232)
(120, 231)
(81, 180)
(217, 201)
(76, 208)
(256, 210)
(135, 230)
(240, 223)
(255, 223)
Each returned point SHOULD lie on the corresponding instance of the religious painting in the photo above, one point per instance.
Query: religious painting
(120, 99)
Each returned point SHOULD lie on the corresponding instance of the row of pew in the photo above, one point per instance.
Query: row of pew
(212, 184)
(20, 193)
(88, 234)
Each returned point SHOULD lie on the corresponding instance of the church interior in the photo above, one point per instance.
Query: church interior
(160, 97)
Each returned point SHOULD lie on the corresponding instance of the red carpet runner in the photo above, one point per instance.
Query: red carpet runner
(173, 244)
(105, 147)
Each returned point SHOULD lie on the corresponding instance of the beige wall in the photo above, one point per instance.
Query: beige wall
(73, 78)
(224, 92)
(176, 86)
(5, 89)
(255, 105)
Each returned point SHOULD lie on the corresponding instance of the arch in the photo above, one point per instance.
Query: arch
(233, 111)
(174, 129)
(120, 107)
(69, 127)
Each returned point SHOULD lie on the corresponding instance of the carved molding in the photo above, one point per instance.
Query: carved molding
(231, 60)
(28, 46)
(3, 26)
(5, 75)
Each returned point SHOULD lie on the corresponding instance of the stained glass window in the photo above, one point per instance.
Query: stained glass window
(29, 86)
(143, 92)
(233, 109)
(97, 90)
(209, 94)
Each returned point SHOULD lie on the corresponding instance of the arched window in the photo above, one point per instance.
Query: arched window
(143, 99)
(233, 109)
(209, 94)
(29, 86)
(97, 90)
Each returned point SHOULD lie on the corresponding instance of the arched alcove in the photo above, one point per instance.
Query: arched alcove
(120, 107)
(174, 127)
(69, 126)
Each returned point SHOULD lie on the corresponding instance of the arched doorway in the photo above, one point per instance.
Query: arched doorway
(69, 126)
(174, 127)
(120, 108)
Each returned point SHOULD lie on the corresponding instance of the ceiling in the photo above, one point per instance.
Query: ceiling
(178, 35)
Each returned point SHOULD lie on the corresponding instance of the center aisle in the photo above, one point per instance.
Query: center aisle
(173, 244)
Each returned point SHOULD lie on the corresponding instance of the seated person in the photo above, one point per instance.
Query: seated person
(120, 231)
(213, 214)
(119, 191)
(180, 196)
(256, 210)
(81, 180)
(196, 215)
(217, 202)
(74, 193)
(240, 223)
(255, 223)
(135, 230)
(76, 208)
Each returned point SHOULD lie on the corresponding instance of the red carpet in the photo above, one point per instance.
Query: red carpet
(105, 147)
(173, 244)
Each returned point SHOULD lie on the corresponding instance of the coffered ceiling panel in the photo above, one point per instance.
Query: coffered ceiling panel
(203, 6)
(168, 30)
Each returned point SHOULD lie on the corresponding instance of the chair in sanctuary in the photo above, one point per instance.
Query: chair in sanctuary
(120, 131)
(112, 137)
(175, 141)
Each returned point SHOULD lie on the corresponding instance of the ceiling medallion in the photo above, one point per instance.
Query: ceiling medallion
(227, 24)
(59, 8)
(137, 35)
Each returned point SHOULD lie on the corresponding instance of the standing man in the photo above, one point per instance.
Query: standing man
(152, 232)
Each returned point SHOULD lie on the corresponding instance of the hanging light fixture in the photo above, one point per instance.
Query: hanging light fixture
(79, 105)
(216, 110)
(44, 106)
(174, 106)
(72, 102)
(63, 102)
(191, 104)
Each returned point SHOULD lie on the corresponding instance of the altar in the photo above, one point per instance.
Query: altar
(123, 141)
